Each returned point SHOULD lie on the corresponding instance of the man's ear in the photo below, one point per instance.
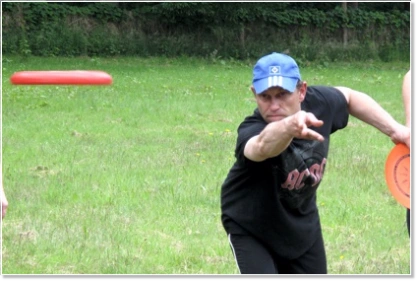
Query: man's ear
(253, 90)
(302, 91)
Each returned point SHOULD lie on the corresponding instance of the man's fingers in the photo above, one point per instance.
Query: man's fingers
(316, 123)
(302, 122)
(313, 135)
(309, 134)
(311, 120)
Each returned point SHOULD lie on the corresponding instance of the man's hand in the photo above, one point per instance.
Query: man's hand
(299, 124)
(402, 134)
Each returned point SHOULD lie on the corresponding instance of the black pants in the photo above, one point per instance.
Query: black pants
(408, 221)
(254, 258)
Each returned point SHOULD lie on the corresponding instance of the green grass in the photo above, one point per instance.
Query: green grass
(125, 179)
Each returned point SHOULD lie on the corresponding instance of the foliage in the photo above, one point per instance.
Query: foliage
(234, 30)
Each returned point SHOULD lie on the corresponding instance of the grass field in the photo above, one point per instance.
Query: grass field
(125, 179)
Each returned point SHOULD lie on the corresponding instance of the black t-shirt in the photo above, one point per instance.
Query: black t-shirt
(275, 200)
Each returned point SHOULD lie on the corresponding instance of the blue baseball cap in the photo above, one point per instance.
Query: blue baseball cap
(275, 69)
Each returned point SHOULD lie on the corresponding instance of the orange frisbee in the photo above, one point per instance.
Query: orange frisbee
(397, 172)
(64, 77)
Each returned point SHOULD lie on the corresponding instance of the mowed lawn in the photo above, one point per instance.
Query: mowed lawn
(125, 179)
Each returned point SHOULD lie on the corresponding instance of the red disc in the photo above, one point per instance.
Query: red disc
(70, 77)
(397, 172)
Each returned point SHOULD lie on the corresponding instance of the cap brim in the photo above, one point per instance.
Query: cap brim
(287, 83)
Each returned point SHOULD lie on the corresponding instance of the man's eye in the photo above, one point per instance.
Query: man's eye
(281, 94)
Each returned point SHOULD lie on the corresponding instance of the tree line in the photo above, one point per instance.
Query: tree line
(238, 30)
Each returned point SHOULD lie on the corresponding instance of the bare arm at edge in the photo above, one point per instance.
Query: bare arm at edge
(406, 95)
(366, 109)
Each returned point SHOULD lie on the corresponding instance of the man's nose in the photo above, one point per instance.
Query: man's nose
(275, 103)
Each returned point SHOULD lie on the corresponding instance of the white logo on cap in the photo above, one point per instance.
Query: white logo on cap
(275, 70)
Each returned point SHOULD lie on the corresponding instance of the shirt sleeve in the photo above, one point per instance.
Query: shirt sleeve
(341, 113)
(328, 104)
(249, 128)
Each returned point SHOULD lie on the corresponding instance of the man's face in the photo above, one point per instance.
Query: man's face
(277, 103)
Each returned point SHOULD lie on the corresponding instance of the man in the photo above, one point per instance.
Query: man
(268, 198)
(406, 95)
